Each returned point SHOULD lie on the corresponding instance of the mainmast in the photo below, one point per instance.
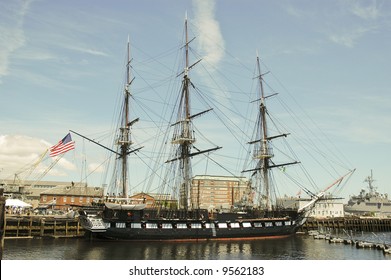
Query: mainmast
(187, 134)
(184, 135)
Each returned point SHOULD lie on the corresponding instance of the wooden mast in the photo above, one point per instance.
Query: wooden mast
(265, 152)
(184, 135)
(262, 151)
(125, 140)
(187, 132)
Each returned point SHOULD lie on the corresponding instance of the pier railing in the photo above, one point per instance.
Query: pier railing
(350, 223)
(41, 226)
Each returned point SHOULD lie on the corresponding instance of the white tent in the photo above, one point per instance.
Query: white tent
(16, 203)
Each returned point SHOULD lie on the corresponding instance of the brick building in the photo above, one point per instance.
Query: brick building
(63, 197)
(154, 200)
(219, 192)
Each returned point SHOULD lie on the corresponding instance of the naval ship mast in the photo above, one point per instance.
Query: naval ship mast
(184, 133)
(370, 180)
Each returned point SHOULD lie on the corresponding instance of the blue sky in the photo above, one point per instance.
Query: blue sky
(62, 65)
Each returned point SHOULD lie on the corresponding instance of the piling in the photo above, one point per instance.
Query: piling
(366, 224)
(41, 227)
(2, 221)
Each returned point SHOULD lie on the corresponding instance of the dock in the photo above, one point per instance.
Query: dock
(359, 224)
(350, 231)
(360, 242)
(2, 222)
(42, 227)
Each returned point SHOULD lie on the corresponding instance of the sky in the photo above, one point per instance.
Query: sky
(62, 68)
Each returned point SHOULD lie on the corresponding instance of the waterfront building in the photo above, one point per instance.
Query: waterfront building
(329, 207)
(152, 200)
(219, 192)
(64, 197)
(28, 190)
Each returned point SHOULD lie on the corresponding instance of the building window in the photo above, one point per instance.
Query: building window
(64, 199)
(80, 199)
(72, 199)
(44, 198)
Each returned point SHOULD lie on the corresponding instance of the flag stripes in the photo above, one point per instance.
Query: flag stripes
(64, 145)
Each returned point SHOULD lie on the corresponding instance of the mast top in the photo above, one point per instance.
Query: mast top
(370, 180)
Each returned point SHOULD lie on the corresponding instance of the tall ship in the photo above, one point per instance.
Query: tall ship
(122, 218)
(369, 202)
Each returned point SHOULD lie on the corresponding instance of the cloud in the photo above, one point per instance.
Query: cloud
(12, 36)
(17, 152)
(368, 17)
(23, 155)
(361, 119)
(87, 50)
(211, 46)
(293, 11)
(96, 167)
(349, 38)
(211, 40)
(369, 12)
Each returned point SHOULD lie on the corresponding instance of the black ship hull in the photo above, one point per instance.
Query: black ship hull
(194, 229)
(194, 234)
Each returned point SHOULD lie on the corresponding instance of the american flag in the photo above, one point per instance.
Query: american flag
(64, 145)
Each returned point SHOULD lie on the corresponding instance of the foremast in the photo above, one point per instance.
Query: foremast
(184, 133)
(124, 140)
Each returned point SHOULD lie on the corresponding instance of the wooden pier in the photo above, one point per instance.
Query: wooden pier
(41, 226)
(358, 224)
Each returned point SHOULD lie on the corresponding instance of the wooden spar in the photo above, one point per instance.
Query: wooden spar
(339, 180)
(93, 141)
(322, 193)
(195, 153)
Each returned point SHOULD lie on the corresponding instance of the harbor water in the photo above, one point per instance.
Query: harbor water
(295, 257)
(297, 247)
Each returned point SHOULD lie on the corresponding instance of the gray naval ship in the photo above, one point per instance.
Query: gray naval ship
(369, 203)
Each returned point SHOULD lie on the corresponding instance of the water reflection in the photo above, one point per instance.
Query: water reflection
(288, 248)
(281, 248)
